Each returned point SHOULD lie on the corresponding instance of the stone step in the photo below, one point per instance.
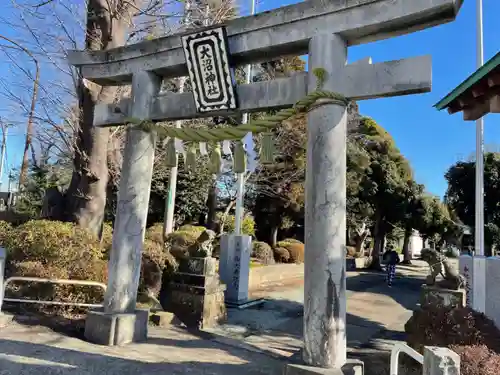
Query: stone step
(198, 290)
(198, 266)
(195, 280)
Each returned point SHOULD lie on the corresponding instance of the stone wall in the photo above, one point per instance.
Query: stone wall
(492, 303)
(353, 264)
(261, 277)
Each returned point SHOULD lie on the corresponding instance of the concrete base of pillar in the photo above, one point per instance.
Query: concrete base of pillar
(479, 283)
(245, 304)
(352, 367)
(116, 329)
(435, 296)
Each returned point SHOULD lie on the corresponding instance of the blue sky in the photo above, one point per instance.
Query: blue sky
(431, 140)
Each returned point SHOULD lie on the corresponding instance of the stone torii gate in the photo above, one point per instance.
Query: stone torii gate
(324, 30)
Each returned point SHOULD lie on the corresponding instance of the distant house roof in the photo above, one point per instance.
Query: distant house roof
(478, 95)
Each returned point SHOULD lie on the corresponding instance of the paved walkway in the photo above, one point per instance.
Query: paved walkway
(272, 334)
(374, 311)
(37, 350)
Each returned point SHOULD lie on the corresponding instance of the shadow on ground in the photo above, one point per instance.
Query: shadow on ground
(51, 360)
(404, 291)
(33, 317)
(274, 328)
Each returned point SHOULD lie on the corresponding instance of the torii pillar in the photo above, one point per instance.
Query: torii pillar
(325, 343)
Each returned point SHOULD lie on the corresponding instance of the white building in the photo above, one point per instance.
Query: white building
(416, 244)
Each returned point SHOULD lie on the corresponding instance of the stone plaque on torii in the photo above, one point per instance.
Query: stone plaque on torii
(324, 30)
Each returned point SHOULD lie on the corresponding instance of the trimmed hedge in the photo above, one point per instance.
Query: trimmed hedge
(296, 251)
(281, 255)
(291, 240)
(263, 252)
(469, 333)
(294, 248)
(155, 233)
(176, 242)
(5, 227)
(477, 360)
(57, 250)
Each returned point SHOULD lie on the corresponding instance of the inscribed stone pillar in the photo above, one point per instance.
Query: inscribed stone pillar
(133, 199)
(479, 283)
(234, 266)
(325, 220)
(467, 271)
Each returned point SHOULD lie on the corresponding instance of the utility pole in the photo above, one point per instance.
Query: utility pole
(2, 153)
(11, 178)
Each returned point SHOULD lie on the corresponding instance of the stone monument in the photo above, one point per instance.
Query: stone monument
(234, 269)
(465, 265)
(439, 265)
(195, 294)
(324, 29)
(447, 292)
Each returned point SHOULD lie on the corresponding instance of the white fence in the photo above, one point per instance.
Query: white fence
(49, 281)
(396, 350)
(3, 287)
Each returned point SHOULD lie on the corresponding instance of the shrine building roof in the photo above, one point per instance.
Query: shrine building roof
(478, 95)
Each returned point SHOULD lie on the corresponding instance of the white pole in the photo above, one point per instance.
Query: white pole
(10, 181)
(168, 220)
(240, 177)
(479, 260)
(172, 182)
(479, 219)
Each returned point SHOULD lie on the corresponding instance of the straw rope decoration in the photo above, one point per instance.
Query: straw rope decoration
(265, 125)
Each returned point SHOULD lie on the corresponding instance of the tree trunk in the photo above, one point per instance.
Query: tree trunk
(212, 206)
(378, 245)
(29, 130)
(273, 239)
(86, 196)
(361, 236)
(224, 216)
(407, 254)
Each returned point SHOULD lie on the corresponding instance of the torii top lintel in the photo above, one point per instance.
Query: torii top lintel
(273, 34)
